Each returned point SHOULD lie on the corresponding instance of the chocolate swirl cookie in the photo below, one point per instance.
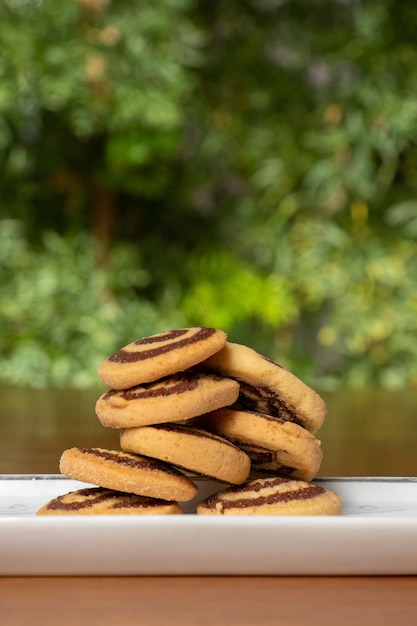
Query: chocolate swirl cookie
(151, 358)
(267, 387)
(100, 501)
(129, 473)
(172, 399)
(191, 449)
(272, 496)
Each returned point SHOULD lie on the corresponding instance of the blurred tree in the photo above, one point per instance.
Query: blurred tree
(312, 115)
(91, 104)
(253, 161)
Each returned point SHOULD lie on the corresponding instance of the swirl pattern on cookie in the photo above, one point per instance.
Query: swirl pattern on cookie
(101, 501)
(275, 463)
(272, 496)
(175, 398)
(151, 358)
(129, 473)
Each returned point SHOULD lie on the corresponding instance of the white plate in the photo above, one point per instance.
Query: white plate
(375, 535)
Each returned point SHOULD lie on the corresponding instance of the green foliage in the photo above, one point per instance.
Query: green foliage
(248, 165)
(321, 125)
(60, 315)
(225, 293)
(91, 92)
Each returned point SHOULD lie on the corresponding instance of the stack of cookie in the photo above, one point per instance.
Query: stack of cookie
(189, 403)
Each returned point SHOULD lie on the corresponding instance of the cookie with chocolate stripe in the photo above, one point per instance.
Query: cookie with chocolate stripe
(191, 449)
(275, 446)
(101, 501)
(172, 399)
(267, 387)
(272, 496)
(129, 473)
(151, 358)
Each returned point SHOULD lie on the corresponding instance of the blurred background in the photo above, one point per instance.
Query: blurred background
(250, 165)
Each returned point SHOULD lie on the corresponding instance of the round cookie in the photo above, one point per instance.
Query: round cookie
(191, 449)
(126, 472)
(101, 501)
(173, 399)
(272, 496)
(267, 387)
(274, 446)
(151, 358)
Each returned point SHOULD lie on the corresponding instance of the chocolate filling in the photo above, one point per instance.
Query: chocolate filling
(97, 495)
(263, 400)
(174, 385)
(265, 462)
(259, 471)
(139, 501)
(131, 356)
(129, 460)
(94, 495)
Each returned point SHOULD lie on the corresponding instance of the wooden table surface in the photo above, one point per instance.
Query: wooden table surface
(35, 431)
(201, 601)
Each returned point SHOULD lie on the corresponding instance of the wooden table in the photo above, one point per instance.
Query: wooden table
(34, 432)
(201, 601)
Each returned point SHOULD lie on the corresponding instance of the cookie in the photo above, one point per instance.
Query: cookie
(274, 446)
(151, 358)
(100, 501)
(172, 399)
(267, 387)
(272, 496)
(190, 449)
(126, 472)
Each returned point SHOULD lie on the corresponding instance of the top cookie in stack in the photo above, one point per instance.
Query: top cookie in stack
(151, 358)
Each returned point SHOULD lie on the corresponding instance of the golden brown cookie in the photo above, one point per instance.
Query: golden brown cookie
(151, 358)
(191, 449)
(274, 446)
(267, 387)
(101, 501)
(172, 399)
(126, 472)
(272, 496)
